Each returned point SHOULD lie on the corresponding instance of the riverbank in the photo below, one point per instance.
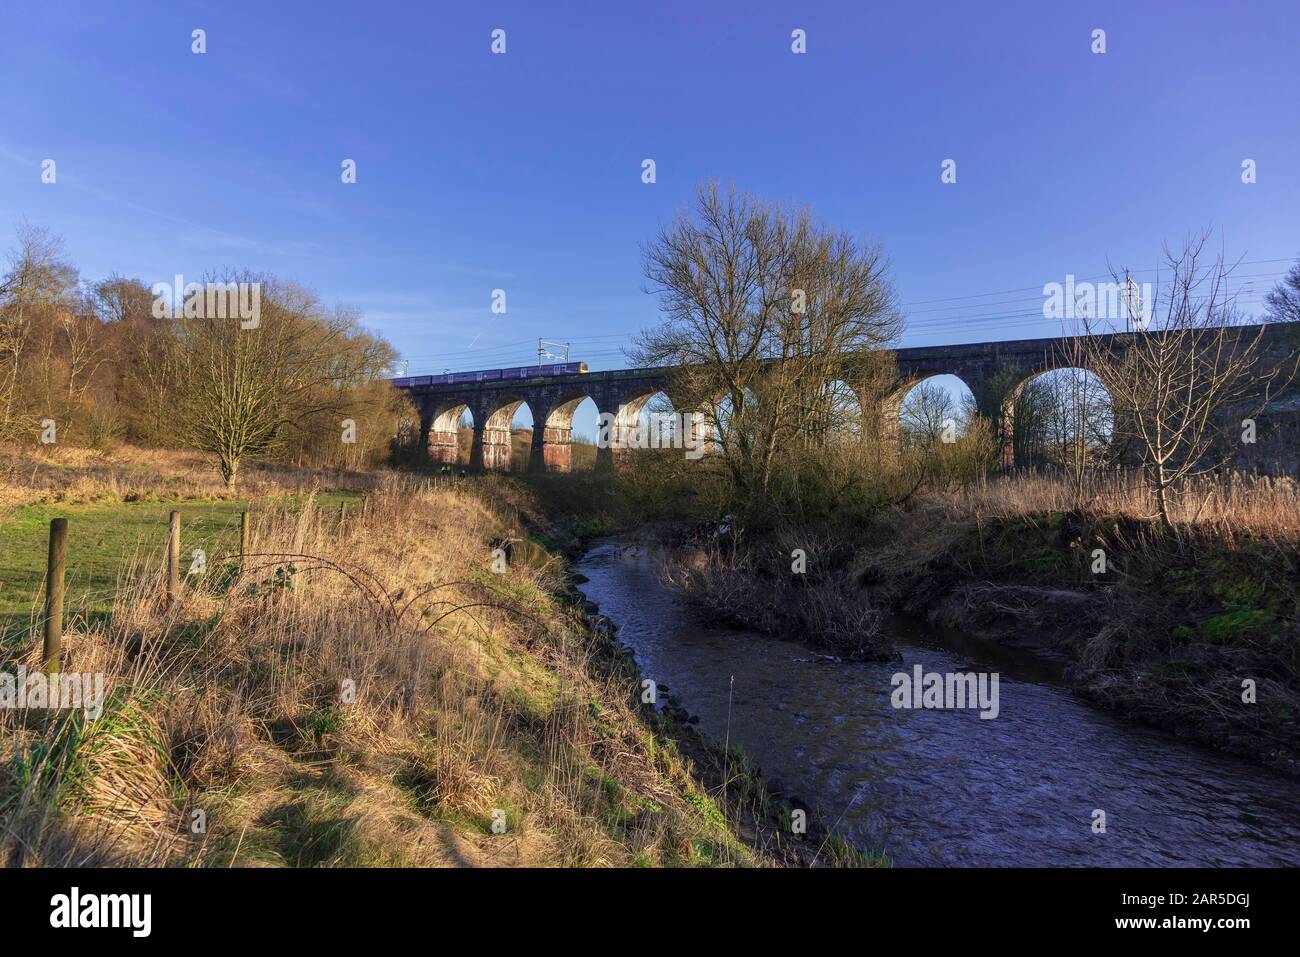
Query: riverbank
(787, 828)
(1194, 633)
(376, 688)
(945, 787)
(564, 518)
(1193, 630)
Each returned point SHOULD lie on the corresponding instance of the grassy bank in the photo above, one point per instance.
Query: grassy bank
(113, 540)
(365, 694)
(1194, 629)
(59, 474)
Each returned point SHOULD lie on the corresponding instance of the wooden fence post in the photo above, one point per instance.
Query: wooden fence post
(54, 595)
(244, 538)
(173, 558)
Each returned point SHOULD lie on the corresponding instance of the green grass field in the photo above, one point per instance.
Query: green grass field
(103, 541)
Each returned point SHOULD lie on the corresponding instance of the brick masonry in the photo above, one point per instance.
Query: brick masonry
(994, 372)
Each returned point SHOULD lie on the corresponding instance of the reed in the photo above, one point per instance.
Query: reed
(359, 694)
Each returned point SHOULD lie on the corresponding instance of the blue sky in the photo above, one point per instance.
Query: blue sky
(522, 171)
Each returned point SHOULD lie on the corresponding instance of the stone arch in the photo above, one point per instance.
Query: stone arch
(1003, 390)
(1057, 410)
(936, 414)
(719, 419)
(840, 409)
(492, 438)
(637, 423)
(619, 434)
(553, 441)
(886, 408)
(648, 408)
(446, 422)
(584, 426)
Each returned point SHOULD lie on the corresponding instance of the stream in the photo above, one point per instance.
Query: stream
(944, 786)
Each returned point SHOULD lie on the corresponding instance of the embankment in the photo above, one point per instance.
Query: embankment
(376, 689)
(1194, 630)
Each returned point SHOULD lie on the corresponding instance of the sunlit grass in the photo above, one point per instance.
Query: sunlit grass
(105, 538)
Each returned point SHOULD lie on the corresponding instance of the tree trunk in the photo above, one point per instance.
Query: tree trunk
(1162, 498)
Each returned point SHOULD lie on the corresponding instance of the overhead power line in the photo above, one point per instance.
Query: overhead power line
(965, 313)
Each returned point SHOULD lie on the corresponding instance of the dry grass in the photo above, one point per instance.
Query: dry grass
(1165, 632)
(1263, 506)
(753, 588)
(474, 696)
(61, 473)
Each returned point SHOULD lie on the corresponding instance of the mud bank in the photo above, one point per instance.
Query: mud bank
(760, 811)
(1188, 634)
(944, 786)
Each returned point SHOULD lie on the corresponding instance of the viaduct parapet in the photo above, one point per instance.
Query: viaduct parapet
(994, 371)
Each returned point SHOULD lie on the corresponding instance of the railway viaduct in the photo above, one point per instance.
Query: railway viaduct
(994, 371)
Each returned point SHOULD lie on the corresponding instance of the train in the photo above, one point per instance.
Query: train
(492, 375)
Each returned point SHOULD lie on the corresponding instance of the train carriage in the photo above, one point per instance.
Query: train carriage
(491, 375)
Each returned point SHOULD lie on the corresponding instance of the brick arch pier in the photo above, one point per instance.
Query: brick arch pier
(994, 372)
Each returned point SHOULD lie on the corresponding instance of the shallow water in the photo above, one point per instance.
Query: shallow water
(945, 787)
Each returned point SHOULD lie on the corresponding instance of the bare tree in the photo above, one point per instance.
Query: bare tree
(1078, 423)
(146, 359)
(120, 301)
(86, 351)
(761, 307)
(1172, 382)
(925, 414)
(39, 278)
(1282, 304)
(154, 377)
(242, 390)
(1064, 419)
